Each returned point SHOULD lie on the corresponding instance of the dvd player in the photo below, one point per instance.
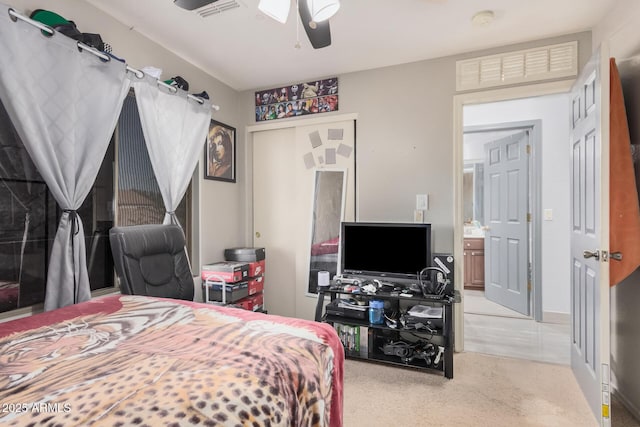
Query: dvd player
(347, 308)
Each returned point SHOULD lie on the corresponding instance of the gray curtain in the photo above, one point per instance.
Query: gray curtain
(175, 130)
(64, 104)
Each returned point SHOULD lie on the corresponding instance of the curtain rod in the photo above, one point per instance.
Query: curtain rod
(13, 15)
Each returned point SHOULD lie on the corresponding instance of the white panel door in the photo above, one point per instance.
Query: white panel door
(590, 347)
(506, 201)
(274, 203)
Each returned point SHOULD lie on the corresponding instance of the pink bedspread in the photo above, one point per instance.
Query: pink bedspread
(149, 361)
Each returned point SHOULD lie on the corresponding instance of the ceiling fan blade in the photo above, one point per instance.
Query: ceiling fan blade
(321, 35)
(193, 4)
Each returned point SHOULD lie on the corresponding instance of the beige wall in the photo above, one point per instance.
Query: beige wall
(620, 29)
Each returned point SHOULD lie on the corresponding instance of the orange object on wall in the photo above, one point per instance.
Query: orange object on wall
(624, 215)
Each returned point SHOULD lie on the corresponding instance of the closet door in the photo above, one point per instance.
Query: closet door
(285, 162)
(274, 205)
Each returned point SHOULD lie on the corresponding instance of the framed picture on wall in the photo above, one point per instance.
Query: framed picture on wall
(220, 153)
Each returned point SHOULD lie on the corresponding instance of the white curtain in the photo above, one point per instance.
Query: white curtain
(64, 104)
(175, 130)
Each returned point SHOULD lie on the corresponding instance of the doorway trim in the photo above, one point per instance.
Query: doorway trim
(459, 101)
(535, 198)
(297, 122)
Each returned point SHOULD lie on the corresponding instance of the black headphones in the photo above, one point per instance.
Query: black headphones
(432, 287)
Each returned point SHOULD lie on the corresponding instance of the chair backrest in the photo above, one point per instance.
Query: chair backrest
(151, 260)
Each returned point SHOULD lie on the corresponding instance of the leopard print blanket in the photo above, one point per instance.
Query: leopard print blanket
(157, 362)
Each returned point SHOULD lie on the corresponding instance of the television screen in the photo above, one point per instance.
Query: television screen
(393, 250)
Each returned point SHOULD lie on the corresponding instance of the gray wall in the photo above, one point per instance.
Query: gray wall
(404, 136)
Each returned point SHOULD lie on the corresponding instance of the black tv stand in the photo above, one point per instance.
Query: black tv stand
(428, 347)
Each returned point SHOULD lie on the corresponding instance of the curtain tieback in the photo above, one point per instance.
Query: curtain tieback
(75, 229)
(174, 218)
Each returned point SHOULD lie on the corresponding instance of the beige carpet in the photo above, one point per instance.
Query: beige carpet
(485, 391)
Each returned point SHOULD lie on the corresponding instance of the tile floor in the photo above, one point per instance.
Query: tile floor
(492, 329)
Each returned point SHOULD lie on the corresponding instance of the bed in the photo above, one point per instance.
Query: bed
(135, 360)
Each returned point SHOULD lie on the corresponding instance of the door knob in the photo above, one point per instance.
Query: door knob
(588, 254)
(616, 255)
(258, 234)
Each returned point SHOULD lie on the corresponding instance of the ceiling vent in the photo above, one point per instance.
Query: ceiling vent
(218, 7)
(206, 8)
(523, 66)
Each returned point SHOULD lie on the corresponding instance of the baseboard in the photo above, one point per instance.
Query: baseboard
(633, 409)
(556, 317)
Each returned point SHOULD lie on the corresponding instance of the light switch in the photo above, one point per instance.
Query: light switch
(548, 214)
(422, 202)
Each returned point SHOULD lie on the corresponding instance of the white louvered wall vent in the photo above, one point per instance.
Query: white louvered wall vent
(541, 63)
(218, 7)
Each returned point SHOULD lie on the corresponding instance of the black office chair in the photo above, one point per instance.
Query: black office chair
(151, 260)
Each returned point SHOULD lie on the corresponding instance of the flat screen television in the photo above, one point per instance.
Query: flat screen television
(385, 250)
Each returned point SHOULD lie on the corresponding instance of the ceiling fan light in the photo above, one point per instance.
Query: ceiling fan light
(321, 10)
(276, 9)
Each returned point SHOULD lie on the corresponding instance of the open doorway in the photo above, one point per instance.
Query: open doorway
(539, 330)
(492, 191)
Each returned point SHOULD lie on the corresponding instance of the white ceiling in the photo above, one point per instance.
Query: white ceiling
(246, 50)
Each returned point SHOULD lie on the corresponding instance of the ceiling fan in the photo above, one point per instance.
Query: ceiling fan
(314, 15)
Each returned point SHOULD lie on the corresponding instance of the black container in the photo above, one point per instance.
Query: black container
(244, 254)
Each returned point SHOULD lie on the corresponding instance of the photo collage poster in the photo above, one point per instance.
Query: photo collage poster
(298, 99)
